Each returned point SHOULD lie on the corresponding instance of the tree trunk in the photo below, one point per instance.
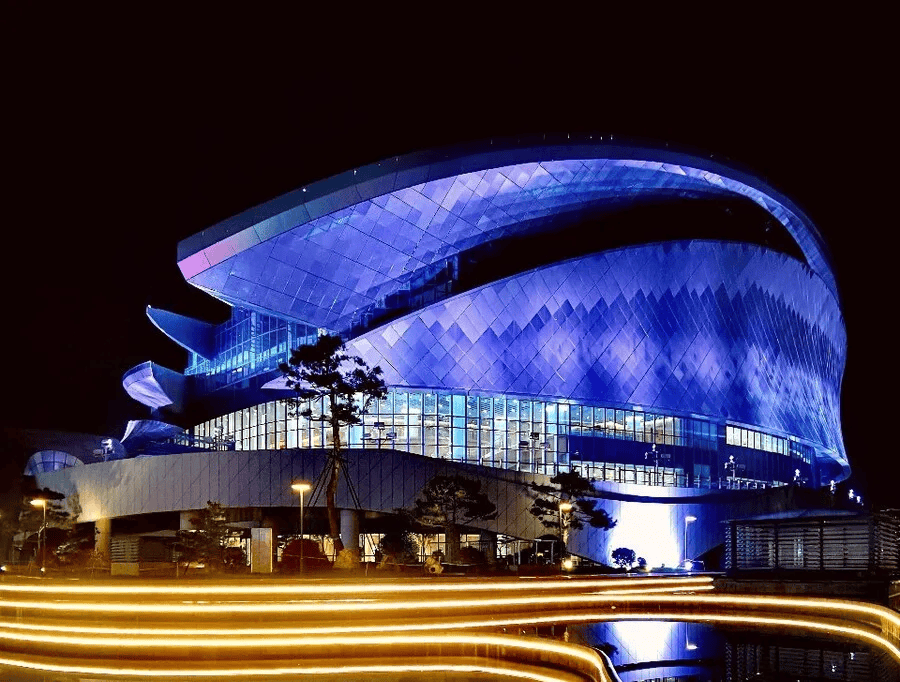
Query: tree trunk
(452, 537)
(334, 521)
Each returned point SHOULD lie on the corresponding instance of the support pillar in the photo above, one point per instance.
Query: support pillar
(488, 544)
(261, 550)
(350, 529)
(184, 520)
(102, 536)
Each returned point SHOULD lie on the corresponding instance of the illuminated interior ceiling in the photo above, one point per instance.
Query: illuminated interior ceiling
(322, 253)
(50, 460)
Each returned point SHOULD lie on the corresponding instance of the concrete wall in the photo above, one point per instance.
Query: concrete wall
(387, 480)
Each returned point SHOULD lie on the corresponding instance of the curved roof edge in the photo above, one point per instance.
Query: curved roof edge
(191, 334)
(155, 386)
(361, 184)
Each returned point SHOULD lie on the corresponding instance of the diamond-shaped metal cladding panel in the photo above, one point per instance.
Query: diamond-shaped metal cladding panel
(362, 251)
(680, 333)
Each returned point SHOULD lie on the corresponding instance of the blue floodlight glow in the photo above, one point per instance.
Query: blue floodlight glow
(645, 641)
(651, 530)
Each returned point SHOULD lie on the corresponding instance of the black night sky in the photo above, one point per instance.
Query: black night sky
(109, 162)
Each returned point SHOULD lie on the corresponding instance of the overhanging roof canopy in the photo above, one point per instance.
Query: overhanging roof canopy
(321, 253)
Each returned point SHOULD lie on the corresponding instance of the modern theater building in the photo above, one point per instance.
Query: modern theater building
(668, 325)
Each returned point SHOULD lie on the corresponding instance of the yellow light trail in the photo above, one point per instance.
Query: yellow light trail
(629, 599)
(588, 658)
(249, 638)
(196, 608)
(289, 636)
(319, 589)
(317, 671)
(826, 607)
(656, 590)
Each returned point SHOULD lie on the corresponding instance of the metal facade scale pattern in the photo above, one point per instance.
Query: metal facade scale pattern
(723, 330)
(321, 258)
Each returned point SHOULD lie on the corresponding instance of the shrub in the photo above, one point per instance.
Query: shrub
(624, 557)
(399, 547)
(347, 559)
(313, 556)
(472, 555)
(234, 559)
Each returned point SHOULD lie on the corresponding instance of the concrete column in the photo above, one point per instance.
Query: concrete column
(184, 520)
(488, 542)
(350, 528)
(102, 536)
(261, 550)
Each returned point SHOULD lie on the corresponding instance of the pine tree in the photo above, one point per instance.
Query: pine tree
(211, 539)
(572, 488)
(449, 502)
(347, 386)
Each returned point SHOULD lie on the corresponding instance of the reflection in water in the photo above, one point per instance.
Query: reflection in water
(782, 657)
(655, 651)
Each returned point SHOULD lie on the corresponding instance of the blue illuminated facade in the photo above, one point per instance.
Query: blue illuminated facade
(515, 333)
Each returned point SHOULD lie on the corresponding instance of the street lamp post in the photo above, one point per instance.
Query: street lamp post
(40, 502)
(301, 487)
(687, 520)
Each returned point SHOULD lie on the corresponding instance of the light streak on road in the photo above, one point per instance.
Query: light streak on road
(658, 590)
(564, 654)
(385, 615)
(248, 638)
(798, 605)
(315, 589)
(316, 671)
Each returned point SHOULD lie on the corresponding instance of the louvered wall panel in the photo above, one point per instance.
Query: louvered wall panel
(123, 549)
(858, 544)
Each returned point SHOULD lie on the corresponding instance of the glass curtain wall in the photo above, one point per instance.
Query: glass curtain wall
(248, 344)
(498, 431)
(538, 436)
